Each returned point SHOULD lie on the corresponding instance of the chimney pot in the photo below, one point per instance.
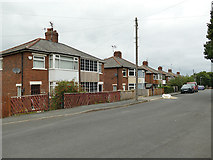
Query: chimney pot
(118, 54)
(145, 63)
(170, 70)
(51, 35)
(160, 68)
(178, 73)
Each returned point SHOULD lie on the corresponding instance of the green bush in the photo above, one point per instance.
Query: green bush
(168, 89)
(63, 87)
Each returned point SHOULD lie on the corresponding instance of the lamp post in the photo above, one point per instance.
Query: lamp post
(200, 80)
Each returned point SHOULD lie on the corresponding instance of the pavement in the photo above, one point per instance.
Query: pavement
(79, 110)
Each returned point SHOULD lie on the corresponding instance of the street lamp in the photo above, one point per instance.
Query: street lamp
(200, 80)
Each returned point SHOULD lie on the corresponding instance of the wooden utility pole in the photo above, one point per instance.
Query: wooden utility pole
(136, 49)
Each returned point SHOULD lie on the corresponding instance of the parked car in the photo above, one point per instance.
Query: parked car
(187, 88)
(201, 87)
(194, 84)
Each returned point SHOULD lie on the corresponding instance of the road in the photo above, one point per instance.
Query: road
(162, 128)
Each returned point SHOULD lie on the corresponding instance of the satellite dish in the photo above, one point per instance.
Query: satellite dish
(16, 70)
(116, 74)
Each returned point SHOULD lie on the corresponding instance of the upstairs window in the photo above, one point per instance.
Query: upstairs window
(63, 62)
(100, 67)
(89, 65)
(131, 72)
(39, 62)
(124, 73)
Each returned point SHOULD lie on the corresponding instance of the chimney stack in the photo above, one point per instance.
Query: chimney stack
(145, 63)
(51, 35)
(160, 68)
(170, 70)
(118, 54)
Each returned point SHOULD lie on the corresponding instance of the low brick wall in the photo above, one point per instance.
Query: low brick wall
(125, 95)
(143, 92)
(79, 99)
(156, 91)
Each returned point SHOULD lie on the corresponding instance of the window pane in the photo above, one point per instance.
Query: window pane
(95, 66)
(56, 63)
(38, 58)
(51, 63)
(100, 68)
(38, 64)
(82, 64)
(66, 64)
(75, 65)
(66, 58)
(87, 65)
(91, 66)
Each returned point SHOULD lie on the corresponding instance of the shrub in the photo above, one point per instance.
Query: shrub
(63, 87)
(168, 89)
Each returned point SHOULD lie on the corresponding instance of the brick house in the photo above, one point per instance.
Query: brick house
(36, 66)
(119, 74)
(154, 78)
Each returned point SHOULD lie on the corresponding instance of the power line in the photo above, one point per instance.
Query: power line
(172, 6)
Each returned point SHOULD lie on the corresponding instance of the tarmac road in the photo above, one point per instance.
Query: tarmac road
(178, 128)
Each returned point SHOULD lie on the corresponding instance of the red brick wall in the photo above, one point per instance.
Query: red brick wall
(149, 78)
(110, 78)
(10, 79)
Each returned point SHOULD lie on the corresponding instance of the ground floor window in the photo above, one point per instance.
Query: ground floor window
(35, 89)
(89, 86)
(131, 86)
(124, 87)
(114, 87)
(18, 89)
(100, 87)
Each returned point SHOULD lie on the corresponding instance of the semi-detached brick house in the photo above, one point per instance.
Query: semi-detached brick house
(119, 74)
(35, 67)
(154, 78)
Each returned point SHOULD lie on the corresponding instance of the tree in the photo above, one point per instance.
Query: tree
(180, 80)
(208, 47)
(204, 78)
(63, 87)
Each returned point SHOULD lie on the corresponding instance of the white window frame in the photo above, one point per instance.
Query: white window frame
(62, 58)
(113, 87)
(89, 68)
(131, 71)
(124, 71)
(40, 60)
(1, 64)
(131, 85)
(100, 67)
(18, 90)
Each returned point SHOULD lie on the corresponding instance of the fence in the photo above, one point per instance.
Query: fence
(25, 104)
(78, 99)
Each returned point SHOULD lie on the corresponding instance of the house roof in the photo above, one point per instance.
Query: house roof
(116, 62)
(48, 47)
(163, 72)
(149, 69)
(172, 74)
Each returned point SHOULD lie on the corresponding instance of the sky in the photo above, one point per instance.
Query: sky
(171, 32)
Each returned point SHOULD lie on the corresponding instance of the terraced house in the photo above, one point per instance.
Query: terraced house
(36, 66)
